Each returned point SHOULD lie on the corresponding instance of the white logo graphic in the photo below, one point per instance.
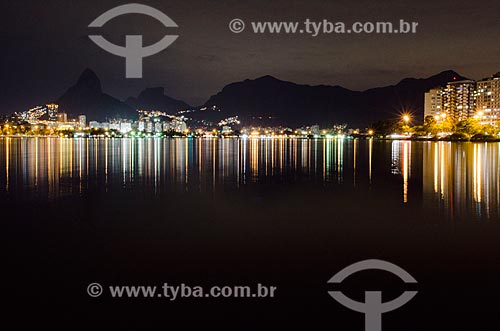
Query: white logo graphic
(373, 307)
(133, 52)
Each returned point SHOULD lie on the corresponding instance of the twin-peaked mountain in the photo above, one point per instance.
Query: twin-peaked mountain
(86, 97)
(266, 101)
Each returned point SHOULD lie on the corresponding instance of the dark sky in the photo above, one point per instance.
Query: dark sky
(45, 45)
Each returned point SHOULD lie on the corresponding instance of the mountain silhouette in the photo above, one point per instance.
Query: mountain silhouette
(265, 101)
(155, 99)
(86, 97)
(270, 101)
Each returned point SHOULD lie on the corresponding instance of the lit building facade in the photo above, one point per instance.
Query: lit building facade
(465, 99)
(62, 117)
(149, 127)
(179, 126)
(158, 127)
(433, 103)
(488, 100)
(125, 127)
(141, 125)
(82, 120)
(456, 99)
(459, 99)
(53, 110)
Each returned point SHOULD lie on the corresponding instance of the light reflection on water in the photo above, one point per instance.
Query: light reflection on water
(462, 178)
(456, 179)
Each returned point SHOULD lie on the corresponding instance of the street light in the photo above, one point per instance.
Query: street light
(406, 118)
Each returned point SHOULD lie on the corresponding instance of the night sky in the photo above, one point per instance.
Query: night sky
(45, 46)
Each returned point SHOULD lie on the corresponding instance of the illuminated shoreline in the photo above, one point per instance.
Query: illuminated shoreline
(244, 137)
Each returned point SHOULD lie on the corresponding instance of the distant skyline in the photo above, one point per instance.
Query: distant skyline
(45, 46)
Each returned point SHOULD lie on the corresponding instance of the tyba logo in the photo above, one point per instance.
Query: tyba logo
(373, 307)
(133, 52)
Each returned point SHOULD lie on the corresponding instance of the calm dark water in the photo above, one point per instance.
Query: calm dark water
(457, 180)
(289, 213)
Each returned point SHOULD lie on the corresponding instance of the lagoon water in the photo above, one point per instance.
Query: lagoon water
(284, 212)
(455, 180)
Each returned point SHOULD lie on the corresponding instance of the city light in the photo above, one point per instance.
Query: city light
(440, 103)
